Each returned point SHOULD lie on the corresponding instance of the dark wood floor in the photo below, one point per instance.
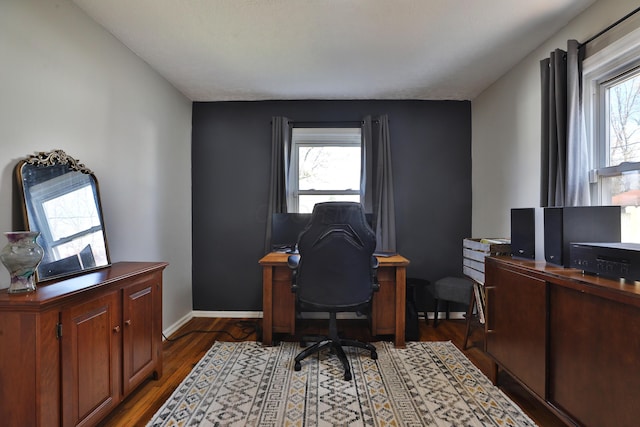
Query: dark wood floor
(187, 346)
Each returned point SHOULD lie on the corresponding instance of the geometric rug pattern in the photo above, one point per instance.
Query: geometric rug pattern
(424, 384)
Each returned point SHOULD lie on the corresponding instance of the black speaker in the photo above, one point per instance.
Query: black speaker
(578, 224)
(523, 233)
(553, 235)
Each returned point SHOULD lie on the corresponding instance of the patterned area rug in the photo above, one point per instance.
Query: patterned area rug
(424, 384)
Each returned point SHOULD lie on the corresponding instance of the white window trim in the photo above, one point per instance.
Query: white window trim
(617, 58)
(301, 137)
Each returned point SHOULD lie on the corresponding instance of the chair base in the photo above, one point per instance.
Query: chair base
(335, 344)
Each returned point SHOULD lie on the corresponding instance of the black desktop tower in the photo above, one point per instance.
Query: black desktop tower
(566, 225)
(523, 233)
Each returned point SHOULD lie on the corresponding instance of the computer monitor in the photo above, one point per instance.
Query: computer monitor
(286, 227)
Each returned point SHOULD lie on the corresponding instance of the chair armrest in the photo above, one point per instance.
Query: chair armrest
(293, 262)
(374, 273)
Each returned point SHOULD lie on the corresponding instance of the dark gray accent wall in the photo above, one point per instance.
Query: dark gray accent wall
(231, 152)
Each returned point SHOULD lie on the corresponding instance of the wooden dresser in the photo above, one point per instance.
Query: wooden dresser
(573, 340)
(73, 349)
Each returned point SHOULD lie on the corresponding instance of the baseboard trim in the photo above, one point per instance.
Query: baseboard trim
(177, 325)
(213, 314)
(452, 315)
(258, 315)
(228, 314)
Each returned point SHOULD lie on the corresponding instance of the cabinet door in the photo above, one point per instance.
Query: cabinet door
(91, 344)
(516, 324)
(142, 337)
(594, 348)
(383, 319)
(283, 301)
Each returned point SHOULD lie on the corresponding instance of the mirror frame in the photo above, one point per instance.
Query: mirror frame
(55, 158)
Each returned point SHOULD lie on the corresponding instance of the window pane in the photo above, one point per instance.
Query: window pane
(70, 213)
(624, 121)
(94, 240)
(624, 190)
(329, 168)
(307, 202)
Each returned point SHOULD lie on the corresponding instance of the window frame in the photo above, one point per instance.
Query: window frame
(348, 136)
(600, 72)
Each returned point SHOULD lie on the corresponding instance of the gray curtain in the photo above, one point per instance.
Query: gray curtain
(577, 184)
(564, 168)
(280, 153)
(378, 178)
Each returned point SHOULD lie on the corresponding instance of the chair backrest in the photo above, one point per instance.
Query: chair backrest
(336, 252)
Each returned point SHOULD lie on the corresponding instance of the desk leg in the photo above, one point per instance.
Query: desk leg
(267, 305)
(401, 300)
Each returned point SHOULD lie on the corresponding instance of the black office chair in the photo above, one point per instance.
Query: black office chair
(335, 271)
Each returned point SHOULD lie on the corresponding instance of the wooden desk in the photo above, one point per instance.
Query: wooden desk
(278, 302)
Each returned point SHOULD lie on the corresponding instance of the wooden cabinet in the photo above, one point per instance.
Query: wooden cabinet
(90, 349)
(579, 350)
(72, 350)
(384, 304)
(140, 328)
(516, 315)
(595, 350)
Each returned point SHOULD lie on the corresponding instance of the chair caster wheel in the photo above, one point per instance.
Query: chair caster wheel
(297, 366)
(347, 376)
(374, 355)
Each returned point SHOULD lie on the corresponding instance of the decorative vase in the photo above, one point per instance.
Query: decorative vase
(21, 256)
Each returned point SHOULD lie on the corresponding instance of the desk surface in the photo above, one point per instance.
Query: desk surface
(279, 258)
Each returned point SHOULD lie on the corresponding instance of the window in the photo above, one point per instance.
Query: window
(325, 166)
(611, 79)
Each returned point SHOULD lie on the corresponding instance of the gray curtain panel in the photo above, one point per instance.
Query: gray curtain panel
(564, 167)
(366, 168)
(379, 187)
(553, 72)
(577, 184)
(280, 156)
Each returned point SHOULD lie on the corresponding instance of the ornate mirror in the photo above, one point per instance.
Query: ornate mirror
(60, 199)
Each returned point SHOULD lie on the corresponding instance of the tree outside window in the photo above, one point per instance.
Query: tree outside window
(325, 166)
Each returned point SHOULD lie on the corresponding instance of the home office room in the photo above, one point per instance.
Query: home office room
(238, 156)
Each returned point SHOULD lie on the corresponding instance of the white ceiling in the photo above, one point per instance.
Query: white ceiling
(222, 50)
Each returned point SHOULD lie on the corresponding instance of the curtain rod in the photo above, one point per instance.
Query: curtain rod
(326, 122)
(330, 122)
(619, 21)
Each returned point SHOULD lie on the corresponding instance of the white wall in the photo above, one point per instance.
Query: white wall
(506, 127)
(66, 83)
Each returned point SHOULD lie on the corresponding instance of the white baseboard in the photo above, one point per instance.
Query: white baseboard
(258, 315)
(452, 315)
(177, 325)
(213, 314)
(228, 314)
